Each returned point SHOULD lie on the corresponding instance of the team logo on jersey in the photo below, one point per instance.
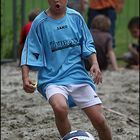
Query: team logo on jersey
(62, 27)
(92, 43)
(55, 46)
(36, 55)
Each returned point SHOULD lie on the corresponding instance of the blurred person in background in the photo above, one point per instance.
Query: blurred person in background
(103, 43)
(79, 5)
(109, 8)
(132, 56)
(24, 32)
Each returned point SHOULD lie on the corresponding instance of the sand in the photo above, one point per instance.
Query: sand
(30, 117)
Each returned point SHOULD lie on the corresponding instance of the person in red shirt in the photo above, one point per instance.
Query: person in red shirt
(25, 30)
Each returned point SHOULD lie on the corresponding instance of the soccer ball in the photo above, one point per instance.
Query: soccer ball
(78, 135)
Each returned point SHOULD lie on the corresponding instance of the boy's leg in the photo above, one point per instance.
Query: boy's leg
(60, 108)
(99, 122)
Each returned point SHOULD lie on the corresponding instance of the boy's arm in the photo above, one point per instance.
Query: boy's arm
(134, 53)
(28, 85)
(112, 58)
(132, 50)
(95, 70)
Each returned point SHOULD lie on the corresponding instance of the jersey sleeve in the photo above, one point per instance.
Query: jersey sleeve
(86, 41)
(33, 54)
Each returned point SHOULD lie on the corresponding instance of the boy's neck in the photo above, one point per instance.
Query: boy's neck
(56, 15)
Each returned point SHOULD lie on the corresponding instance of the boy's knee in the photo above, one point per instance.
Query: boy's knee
(59, 104)
(61, 110)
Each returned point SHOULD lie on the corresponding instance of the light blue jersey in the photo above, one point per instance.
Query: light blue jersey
(56, 49)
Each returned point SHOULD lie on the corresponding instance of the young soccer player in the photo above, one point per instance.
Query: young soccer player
(56, 45)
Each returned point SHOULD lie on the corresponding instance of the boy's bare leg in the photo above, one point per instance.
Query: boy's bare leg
(99, 122)
(60, 108)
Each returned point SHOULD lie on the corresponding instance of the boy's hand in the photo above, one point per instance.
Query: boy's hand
(29, 86)
(96, 73)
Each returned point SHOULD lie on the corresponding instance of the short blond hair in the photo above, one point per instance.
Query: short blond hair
(101, 23)
(32, 15)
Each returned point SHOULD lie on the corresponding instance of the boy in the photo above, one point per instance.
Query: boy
(103, 42)
(57, 42)
(132, 57)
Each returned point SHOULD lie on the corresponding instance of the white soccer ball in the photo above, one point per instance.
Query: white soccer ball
(78, 135)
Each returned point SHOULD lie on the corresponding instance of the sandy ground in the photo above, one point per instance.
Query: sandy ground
(29, 117)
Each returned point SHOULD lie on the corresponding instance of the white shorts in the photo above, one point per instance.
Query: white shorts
(82, 94)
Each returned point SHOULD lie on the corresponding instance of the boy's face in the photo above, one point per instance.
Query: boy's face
(57, 5)
(135, 32)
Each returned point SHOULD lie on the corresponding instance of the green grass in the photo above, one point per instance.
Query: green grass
(122, 35)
